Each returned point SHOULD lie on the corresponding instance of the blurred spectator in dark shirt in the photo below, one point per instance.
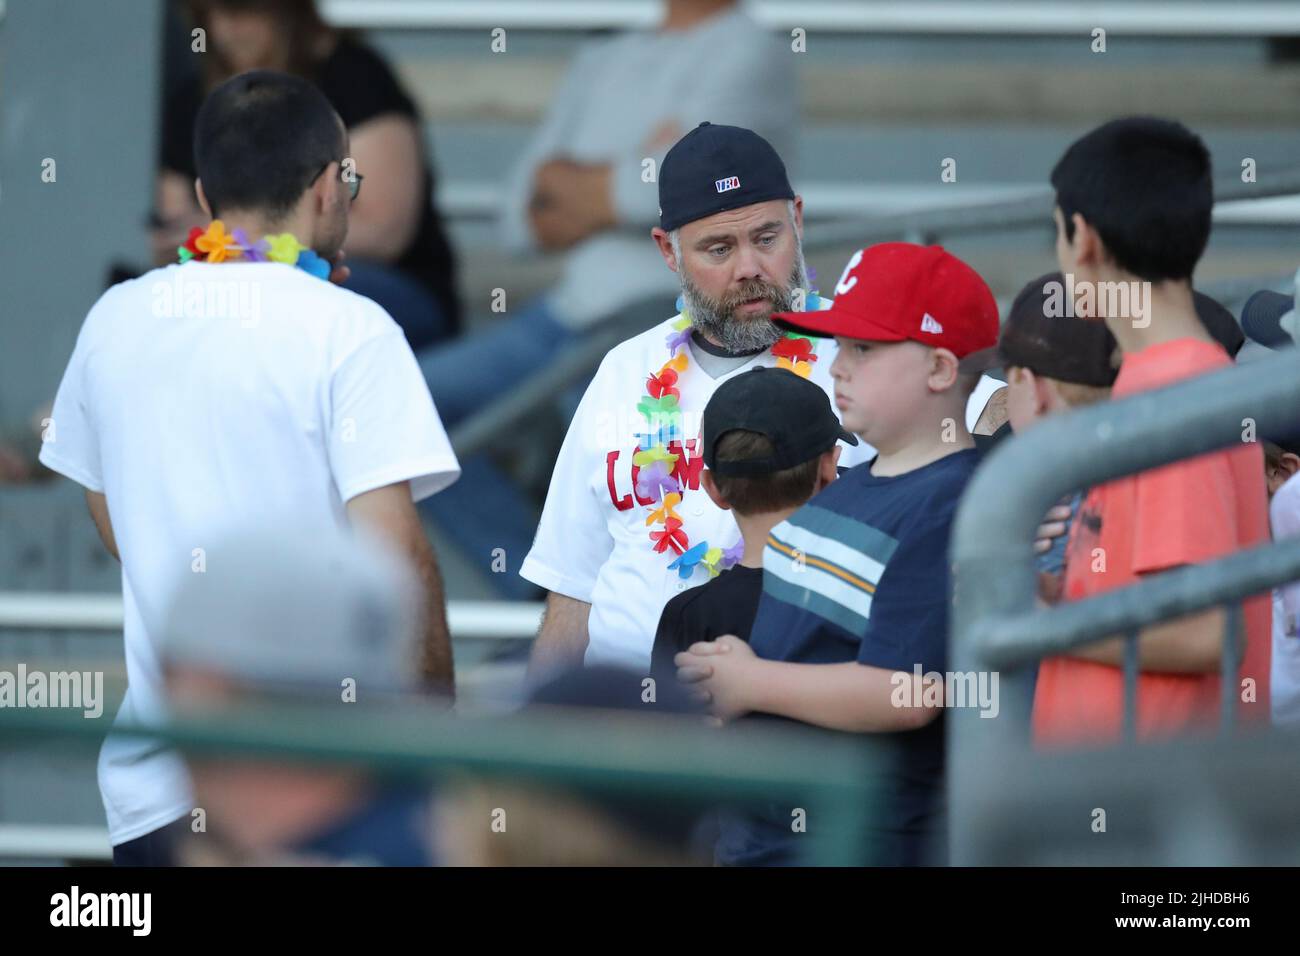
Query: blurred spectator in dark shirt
(396, 247)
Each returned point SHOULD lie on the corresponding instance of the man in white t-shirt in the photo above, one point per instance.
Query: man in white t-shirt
(626, 525)
(583, 189)
(241, 389)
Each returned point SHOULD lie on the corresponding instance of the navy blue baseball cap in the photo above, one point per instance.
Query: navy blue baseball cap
(715, 168)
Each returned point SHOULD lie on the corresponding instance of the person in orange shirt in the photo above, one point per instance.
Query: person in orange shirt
(1133, 201)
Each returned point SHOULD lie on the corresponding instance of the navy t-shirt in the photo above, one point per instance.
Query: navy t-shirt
(860, 573)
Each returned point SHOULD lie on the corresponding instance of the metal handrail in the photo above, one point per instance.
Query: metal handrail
(1034, 209)
(61, 610)
(996, 623)
(827, 201)
(52, 841)
(978, 17)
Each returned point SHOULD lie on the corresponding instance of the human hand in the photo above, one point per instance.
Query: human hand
(1050, 587)
(570, 202)
(1053, 526)
(339, 272)
(720, 674)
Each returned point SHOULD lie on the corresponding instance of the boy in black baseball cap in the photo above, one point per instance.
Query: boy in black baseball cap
(770, 443)
(1054, 361)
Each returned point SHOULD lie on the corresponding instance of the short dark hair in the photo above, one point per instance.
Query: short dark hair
(261, 138)
(787, 488)
(1145, 185)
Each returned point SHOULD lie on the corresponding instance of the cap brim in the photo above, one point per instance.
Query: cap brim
(827, 323)
(983, 360)
(1261, 318)
(848, 436)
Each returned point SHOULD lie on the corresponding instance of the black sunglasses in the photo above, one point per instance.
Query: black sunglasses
(353, 181)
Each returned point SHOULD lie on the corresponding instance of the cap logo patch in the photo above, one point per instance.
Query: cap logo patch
(725, 185)
(930, 324)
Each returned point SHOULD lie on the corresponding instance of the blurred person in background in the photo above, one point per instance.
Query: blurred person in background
(397, 247)
(1271, 321)
(293, 620)
(585, 188)
(241, 387)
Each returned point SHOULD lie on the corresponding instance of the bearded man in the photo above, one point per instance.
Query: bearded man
(626, 524)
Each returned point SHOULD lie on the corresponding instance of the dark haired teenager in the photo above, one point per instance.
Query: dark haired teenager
(1133, 201)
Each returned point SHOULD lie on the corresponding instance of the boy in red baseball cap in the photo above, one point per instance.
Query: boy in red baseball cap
(851, 631)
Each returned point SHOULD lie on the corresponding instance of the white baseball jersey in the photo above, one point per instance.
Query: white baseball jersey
(593, 543)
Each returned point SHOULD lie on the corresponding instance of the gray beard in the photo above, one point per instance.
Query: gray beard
(716, 319)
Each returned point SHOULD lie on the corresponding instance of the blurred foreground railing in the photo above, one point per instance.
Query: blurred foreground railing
(648, 757)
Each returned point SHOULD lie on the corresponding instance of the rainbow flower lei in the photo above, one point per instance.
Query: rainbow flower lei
(214, 244)
(661, 474)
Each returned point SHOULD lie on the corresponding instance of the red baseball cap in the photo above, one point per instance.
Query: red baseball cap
(896, 291)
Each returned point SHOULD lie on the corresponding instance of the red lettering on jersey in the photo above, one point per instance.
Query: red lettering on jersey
(624, 503)
(687, 468)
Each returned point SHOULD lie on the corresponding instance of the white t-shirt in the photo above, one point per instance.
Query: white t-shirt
(205, 396)
(1284, 679)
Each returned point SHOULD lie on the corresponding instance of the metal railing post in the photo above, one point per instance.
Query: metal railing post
(995, 623)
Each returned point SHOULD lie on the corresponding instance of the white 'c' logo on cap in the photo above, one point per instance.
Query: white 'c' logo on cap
(846, 283)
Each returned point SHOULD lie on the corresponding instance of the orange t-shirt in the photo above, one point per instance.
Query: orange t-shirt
(1186, 512)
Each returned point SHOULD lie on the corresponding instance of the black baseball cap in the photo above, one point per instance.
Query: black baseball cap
(1262, 315)
(1062, 346)
(1070, 348)
(1268, 319)
(794, 414)
(715, 168)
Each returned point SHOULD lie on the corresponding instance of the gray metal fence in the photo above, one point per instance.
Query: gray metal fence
(998, 627)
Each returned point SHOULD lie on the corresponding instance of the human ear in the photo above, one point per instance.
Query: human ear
(665, 245)
(944, 369)
(711, 488)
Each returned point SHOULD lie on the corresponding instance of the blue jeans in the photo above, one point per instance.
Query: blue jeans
(411, 305)
(484, 510)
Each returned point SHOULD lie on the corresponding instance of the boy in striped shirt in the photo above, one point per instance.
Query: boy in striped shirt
(854, 612)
